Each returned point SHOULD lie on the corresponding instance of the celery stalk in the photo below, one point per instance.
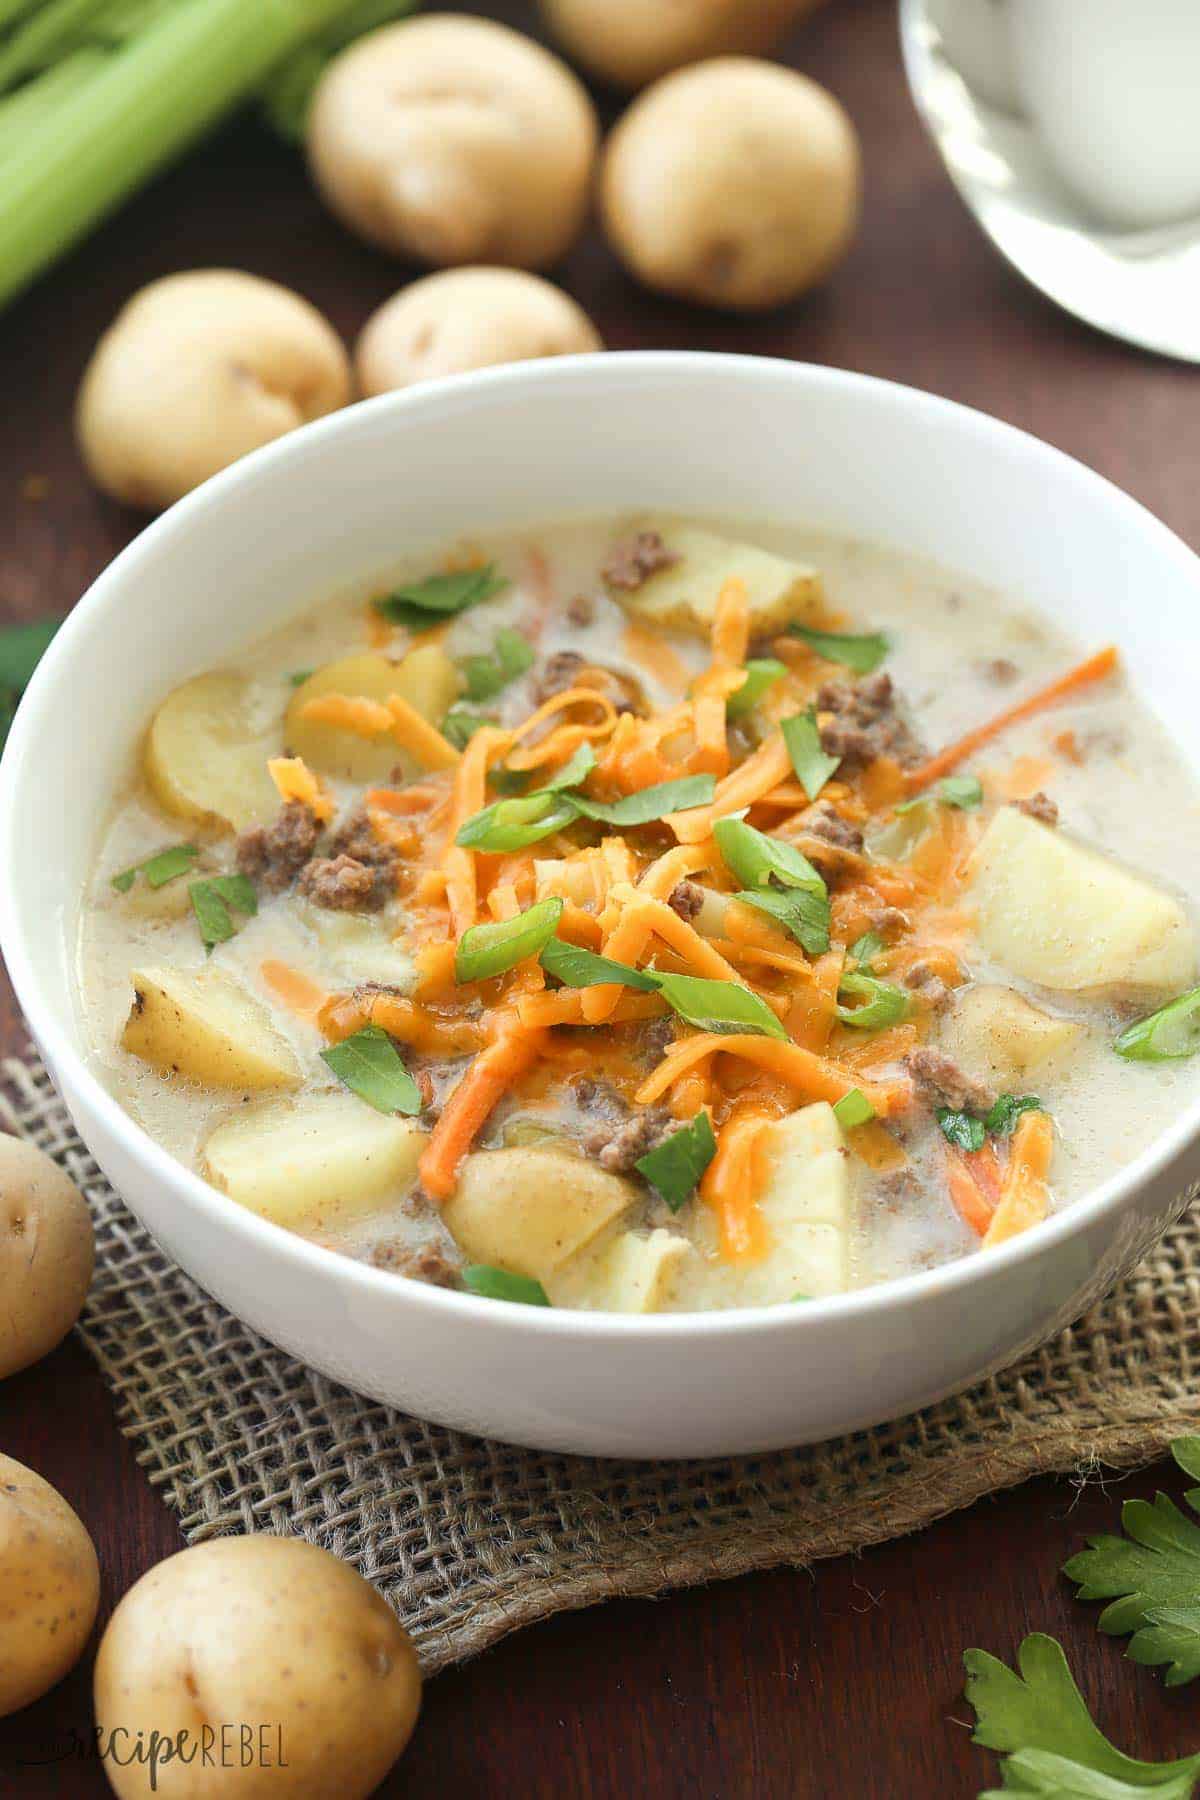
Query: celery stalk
(155, 95)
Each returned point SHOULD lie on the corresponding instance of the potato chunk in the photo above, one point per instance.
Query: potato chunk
(1004, 1037)
(204, 758)
(426, 678)
(208, 1028)
(630, 1273)
(528, 1210)
(361, 948)
(1066, 917)
(320, 1161)
(683, 597)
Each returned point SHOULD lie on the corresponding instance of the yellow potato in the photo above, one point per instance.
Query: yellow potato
(683, 596)
(275, 1637)
(49, 1586)
(426, 678)
(631, 42)
(207, 1028)
(196, 370)
(46, 1255)
(206, 761)
(1004, 1037)
(528, 1210)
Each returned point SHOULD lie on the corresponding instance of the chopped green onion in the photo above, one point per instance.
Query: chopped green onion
(492, 1283)
(963, 791)
(1001, 1119)
(802, 735)
(853, 1109)
(508, 825)
(651, 803)
(961, 1129)
(211, 903)
(487, 950)
(1167, 1035)
(369, 1064)
(800, 911)
(884, 1003)
(724, 1006)
(460, 725)
(865, 949)
(583, 968)
(510, 781)
(298, 677)
(860, 653)
(165, 866)
(574, 771)
(761, 673)
(674, 1167)
(420, 604)
(487, 676)
(755, 858)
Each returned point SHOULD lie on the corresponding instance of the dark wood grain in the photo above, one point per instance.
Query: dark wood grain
(845, 1680)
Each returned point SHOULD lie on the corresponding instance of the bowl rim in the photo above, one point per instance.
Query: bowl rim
(261, 1236)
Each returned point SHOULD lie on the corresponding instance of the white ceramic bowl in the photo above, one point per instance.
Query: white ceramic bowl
(525, 444)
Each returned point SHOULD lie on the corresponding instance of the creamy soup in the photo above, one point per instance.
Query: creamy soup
(646, 916)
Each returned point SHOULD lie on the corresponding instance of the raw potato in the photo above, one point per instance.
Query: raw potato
(468, 319)
(272, 1634)
(631, 1273)
(631, 42)
(319, 1162)
(529, 1210)
(684, 596)
(455, 140)
(204, 759)
(1052, 912)
(195, 371)
(49, 1586)
(46, 1256)
(1003, 1038)
(208, 1029)
(734, 183)
(426, 678)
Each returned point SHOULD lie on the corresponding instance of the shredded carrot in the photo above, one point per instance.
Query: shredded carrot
(403, 801)
(413, 732)
(349, 712)
(295, 781)
(664, 874)
(1024, 1195)
(647, 649)
(814, 1007)
(469, 1107)
(812, 1076)
(683, 938)
(734, 1180)
(557, 703)
(296, 991)
(470, 795)
(1094, 668)
(731, 625)
(626, 943)
(765, 769)
(970, 1202)
(565, 1007)
(1067, 744)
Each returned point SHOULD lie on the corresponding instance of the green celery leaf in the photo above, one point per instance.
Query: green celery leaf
(651, 803)
(369, 1064)
(756, 859)
(1167, 1035)
(802, 735)
(421, 604)
(498, 1284)
(960, 1129)
(853, 1109)
(761, 673)
(583, 968)
(487, 950)
(723, 1006)
(1039, 1719)
(1001, 1120)
(487, 676)
(211, 903)
(860, 653)
(514, 824)
(884, 1004)
(799, 910)
(460, 725)
(962, 791)
(674, 1167)
(164, 866)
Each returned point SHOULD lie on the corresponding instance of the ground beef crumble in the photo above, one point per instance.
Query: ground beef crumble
(616, 1138)
(1039, 806)
(1000, 669)
(686, 899)
(426, 1262)
(864, 722)
(924, 981)
(635, 559)
(825, 822)
(885, 919)
(273, 855)
(343, 884)
(581, 610)
(941, 1082)
(563, 669)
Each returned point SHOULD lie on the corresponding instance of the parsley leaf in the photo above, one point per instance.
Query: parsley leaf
(211, 903)
(650, 803)
(492, 1283)
(487, 676)
(800, 911)
(865, 949)
(164, 866)
(1001, 1119)
(862, 653)
(1038, 1719)
(761, 673)
(719, 1006)
(423, 604)
(1151, 1577)
(962, 791)
(578, 968)
(369, 1064)
(460, 725)
(674, 1167)
(802, 735)
(961, 1129)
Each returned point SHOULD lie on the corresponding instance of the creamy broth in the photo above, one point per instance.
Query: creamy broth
(958, 654)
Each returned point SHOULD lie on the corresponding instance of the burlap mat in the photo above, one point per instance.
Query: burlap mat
(469, 1540)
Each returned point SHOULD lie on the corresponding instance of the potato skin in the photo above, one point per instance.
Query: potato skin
(47, 1254)
(466, 319)
(259, 1631)
(454, 140)
(197, 370)
(733, 183)
(632, 42)
(49, 1586)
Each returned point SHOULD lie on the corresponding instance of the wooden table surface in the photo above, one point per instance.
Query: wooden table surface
(843, 1680)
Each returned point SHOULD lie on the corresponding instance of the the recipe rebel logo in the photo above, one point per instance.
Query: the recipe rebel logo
(232, 1745)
